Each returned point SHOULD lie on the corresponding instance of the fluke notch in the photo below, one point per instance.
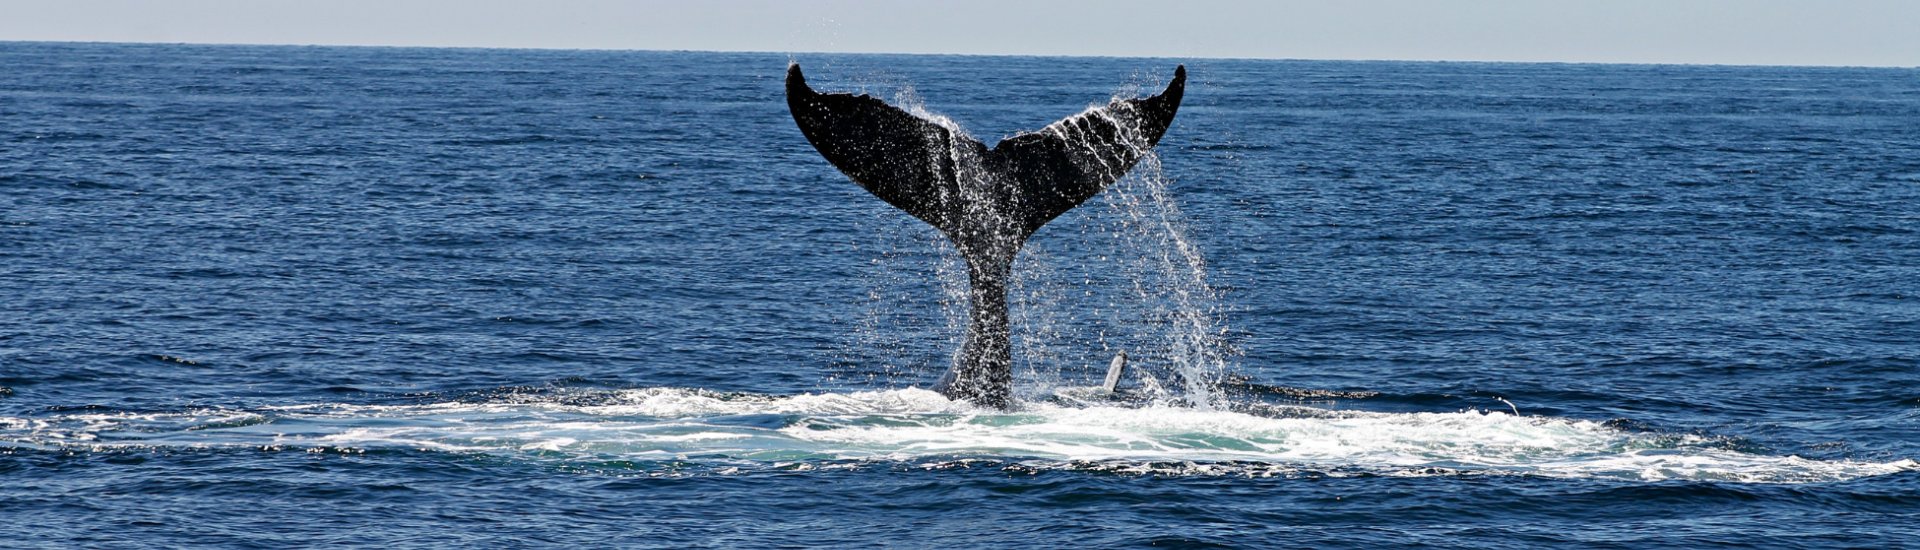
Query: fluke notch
(987, 201)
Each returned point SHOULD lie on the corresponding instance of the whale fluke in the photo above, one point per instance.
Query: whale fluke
(987, 201)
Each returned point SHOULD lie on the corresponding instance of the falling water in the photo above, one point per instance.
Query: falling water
(1125, 276)
(1130, 278)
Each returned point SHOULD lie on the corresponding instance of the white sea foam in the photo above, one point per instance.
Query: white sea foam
(921, 427)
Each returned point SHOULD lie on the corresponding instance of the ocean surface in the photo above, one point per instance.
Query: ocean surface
(293, 296)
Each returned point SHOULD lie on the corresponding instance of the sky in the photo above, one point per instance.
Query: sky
(1736, 32)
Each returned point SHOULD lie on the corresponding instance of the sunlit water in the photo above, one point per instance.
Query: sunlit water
(266, 296)
(692, 432)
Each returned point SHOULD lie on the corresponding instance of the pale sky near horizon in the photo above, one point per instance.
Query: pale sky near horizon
(1741, 32)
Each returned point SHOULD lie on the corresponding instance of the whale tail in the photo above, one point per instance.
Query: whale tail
(987, 201)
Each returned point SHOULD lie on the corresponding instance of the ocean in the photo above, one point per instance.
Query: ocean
(269, 296)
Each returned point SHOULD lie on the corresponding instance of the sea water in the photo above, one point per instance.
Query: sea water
(262, 296)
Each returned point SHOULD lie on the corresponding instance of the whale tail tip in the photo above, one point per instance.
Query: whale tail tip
(987, 201)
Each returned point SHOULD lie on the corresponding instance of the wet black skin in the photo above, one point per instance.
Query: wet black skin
(986, 201)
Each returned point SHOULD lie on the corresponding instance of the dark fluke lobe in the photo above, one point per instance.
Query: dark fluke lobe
(987, 201)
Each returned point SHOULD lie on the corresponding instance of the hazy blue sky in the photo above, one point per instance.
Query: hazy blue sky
(1772, 32)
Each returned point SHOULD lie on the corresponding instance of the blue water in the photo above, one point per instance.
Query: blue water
(267, 296)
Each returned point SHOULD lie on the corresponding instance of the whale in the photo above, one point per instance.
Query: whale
(986, 201)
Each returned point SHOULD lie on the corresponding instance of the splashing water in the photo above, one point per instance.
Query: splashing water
(1174, 318)
(693, 431)
(1124, 277)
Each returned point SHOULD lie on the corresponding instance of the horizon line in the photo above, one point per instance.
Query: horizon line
(1085, 56)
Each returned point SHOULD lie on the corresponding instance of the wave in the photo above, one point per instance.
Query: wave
(729, 433)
